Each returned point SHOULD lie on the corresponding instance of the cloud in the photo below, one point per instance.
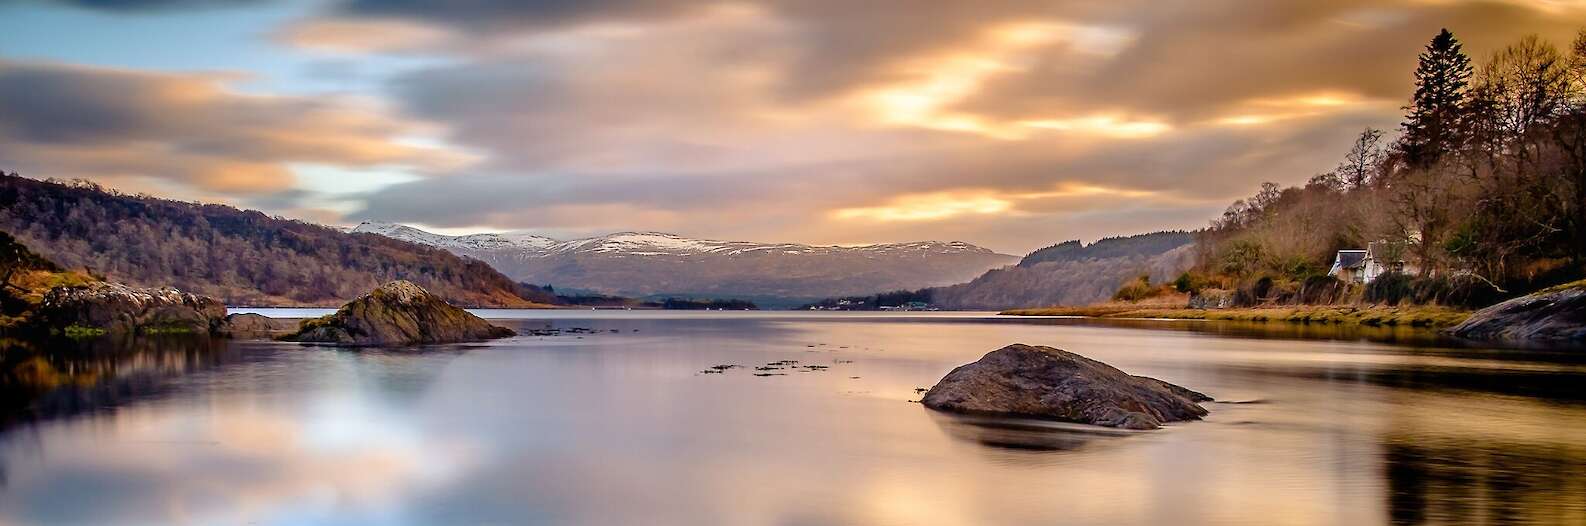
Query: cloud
(830, 121)
(1004, 122)
(150, 5)
(190, 130)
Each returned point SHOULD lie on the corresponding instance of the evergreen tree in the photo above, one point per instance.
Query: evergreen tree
(1431, 126)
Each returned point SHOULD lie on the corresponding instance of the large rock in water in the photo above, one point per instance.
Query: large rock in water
(398, 313)
(251, 325)
(1043, 382)
(118, 308)
(1557, 314)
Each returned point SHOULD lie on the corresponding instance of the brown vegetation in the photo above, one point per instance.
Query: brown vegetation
(1485, 188)
(242, 257)
(1406, 316)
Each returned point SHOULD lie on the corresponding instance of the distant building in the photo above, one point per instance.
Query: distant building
(1364, 266)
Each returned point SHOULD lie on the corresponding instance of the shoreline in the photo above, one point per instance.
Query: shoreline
(1372, 316)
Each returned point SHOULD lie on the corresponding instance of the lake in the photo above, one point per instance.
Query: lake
(619, 424)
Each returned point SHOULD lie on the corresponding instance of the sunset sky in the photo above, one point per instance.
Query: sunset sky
(1009, 124)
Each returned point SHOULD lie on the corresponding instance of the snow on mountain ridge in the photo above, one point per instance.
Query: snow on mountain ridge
(641, 243)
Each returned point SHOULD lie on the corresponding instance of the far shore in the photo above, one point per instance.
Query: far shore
(1369, 315)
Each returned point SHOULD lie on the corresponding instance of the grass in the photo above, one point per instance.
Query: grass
(78, 332)
(1375, 315)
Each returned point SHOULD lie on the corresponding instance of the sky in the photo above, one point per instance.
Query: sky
(1009, 124)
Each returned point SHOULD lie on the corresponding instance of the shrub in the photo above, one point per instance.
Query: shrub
(1322, 290)
(1390, 288)
(1135, 290)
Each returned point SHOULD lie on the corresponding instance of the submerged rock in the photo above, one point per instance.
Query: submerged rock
(103, 307)
(1047, 383)
(250, 325)
(1556, 314)
(398, 313)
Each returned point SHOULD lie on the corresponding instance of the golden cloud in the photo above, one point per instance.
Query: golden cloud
(354, 36)
(936, 206)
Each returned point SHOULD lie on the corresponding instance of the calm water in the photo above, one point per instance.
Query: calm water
(620, 426)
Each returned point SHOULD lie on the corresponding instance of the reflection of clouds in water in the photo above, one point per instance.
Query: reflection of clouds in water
(235, 463)
(617, 429)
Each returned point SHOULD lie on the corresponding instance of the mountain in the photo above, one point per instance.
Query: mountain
(1072, 273)
(242, 257)
(657, 264)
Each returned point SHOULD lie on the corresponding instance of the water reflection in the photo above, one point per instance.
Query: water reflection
(1464, 481)
(1020, 434)
(620, 428)
(61, 377)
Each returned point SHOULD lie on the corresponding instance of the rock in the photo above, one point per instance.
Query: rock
(1557, 314)
(254, 326)
(398, 313)
(1047, 383)
(118, 308)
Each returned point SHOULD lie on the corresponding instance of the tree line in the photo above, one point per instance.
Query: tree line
(1483, 185)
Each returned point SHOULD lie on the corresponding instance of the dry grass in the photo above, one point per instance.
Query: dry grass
(1417, 316)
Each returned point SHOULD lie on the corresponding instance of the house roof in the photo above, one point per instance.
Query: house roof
(1350, 259)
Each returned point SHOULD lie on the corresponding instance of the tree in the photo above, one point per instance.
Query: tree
(1570, 135)
(1364, 160)
(1432, 124)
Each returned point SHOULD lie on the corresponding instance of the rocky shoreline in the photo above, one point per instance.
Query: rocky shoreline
(398, 313)
(1557, 315)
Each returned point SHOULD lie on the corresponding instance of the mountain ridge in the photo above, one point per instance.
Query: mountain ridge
(653, 238)
(657, 263)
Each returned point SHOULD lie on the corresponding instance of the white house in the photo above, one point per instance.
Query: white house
(1363, 266)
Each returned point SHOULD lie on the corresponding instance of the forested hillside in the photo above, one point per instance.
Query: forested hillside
(1074, 274)
(242, 257)
(1484, 188)
(1109, 247)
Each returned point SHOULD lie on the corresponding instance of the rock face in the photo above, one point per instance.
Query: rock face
(1043, 382)
(1557, 314)
(118, 308)
(398, 313)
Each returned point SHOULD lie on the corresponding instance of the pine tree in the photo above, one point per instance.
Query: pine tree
(1432, 124)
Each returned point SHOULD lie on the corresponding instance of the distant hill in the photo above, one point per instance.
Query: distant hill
(1072, 273)
(656, 265)
(1109, 247)
(242, 257)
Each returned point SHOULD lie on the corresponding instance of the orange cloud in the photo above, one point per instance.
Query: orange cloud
(353, 36)
(937, 206)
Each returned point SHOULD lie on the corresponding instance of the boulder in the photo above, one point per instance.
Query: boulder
(255, 326)
(1043, 382)
(118, 308)
(1553, 315)
(398, 313)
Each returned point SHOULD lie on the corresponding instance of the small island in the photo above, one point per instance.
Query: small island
(1048, 383)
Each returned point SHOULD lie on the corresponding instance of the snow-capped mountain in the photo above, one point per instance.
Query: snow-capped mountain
(652, 263)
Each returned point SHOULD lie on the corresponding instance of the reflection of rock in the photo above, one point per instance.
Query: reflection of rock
(1021, 434)
(118, 308)
(254, 326)
(1052, 384)
(1557, 314)
(62, 377)
(398, 313)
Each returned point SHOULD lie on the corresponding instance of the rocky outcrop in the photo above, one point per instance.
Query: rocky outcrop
(255, 326)
(1047, 383)
(396, 314)
(1557, 315)
(117, 308)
